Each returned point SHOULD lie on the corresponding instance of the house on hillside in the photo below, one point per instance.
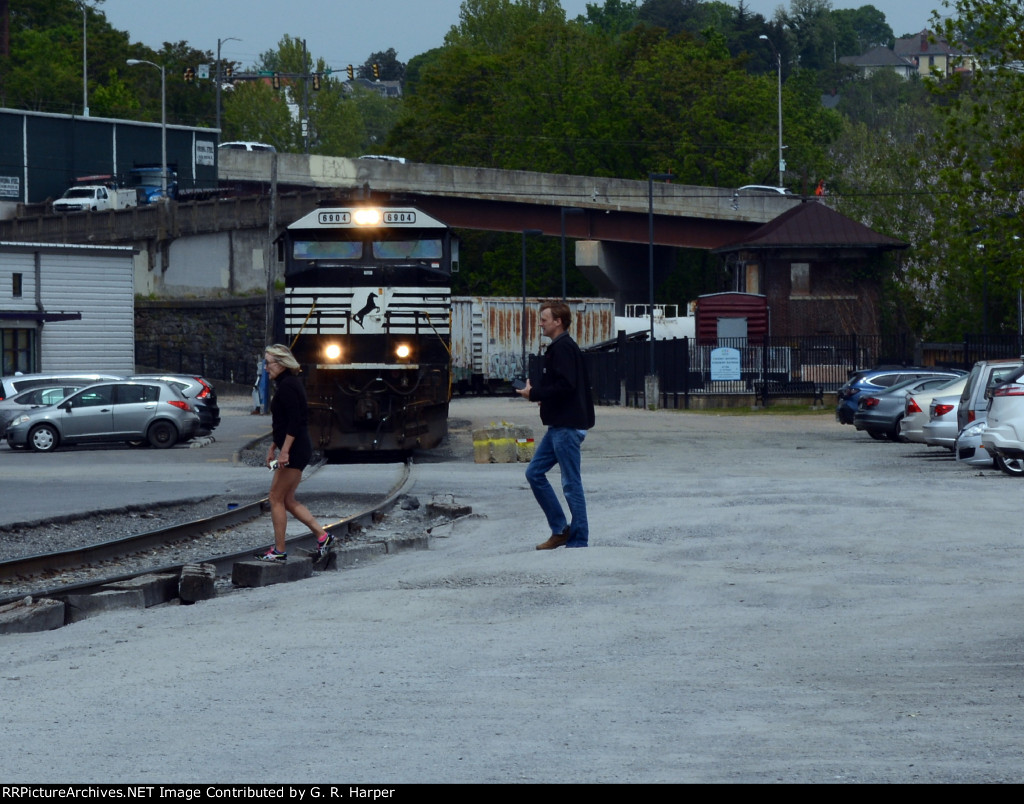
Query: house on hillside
(922, 55)
(820, 271)
(932, 57)
(879, 59)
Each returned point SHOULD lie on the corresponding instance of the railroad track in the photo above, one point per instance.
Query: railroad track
(168, 549)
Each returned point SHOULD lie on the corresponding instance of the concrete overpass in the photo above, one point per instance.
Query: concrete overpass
(607, 217)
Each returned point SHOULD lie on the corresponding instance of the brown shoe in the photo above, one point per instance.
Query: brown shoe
(556, 540)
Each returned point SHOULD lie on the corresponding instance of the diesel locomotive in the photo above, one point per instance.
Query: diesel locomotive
(367, 312)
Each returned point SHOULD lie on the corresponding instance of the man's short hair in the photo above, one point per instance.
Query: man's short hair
(559, 310)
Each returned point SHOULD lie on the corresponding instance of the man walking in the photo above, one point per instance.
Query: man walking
(568, 411)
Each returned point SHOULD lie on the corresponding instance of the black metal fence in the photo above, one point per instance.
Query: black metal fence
(224, 368)
(766, 367)
(808, 367)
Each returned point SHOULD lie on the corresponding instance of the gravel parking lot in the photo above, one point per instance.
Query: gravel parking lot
(766, 599)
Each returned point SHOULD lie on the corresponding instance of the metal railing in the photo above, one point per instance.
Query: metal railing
(769, 366)
(159, 221)
(224, 368)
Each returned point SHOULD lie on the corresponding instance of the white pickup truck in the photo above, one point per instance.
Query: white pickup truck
(94, 197)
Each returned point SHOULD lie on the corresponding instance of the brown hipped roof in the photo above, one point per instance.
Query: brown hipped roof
(813, 225)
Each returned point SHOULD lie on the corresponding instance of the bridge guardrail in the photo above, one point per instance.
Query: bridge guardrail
(158, 221)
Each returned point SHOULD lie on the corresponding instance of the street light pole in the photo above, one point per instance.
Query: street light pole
(778, 62)
(650, 253)
(85, 66)
(163, 121)
(218, 73)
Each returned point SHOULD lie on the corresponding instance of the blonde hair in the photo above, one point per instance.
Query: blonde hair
(283, 355)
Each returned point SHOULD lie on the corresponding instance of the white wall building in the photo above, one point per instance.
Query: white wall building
(66, 308)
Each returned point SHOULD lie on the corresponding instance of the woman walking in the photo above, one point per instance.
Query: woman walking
(293, 449)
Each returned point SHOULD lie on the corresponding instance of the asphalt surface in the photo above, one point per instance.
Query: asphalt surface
(766, 599)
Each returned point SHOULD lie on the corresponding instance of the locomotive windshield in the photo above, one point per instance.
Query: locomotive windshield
(353, 250)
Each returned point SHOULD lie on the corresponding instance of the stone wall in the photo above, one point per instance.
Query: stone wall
(220, 338)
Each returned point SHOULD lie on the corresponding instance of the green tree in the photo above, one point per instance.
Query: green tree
(615, 17)
(860, 30)
(254, 111)
(495, 24)
(976, 243)
(114, 98)
(388, 66)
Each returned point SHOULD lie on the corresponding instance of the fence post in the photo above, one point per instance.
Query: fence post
(686, 372)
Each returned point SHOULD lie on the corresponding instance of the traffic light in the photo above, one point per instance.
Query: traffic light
(316, 81)
(351, 72)
(275, 81)
(376, 71)
(189, 75)
(228, 72)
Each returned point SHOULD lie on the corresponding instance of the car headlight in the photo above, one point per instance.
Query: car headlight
(974, 430)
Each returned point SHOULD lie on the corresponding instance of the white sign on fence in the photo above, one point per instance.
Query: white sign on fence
(725, 363)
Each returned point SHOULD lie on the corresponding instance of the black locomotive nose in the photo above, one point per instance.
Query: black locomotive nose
(366, 410)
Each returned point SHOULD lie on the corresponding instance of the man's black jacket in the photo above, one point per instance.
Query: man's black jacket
(564, 389)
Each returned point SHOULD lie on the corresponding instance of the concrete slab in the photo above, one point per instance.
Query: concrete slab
(156, 588)
(265, 573)
(27, 616)
(82, 607)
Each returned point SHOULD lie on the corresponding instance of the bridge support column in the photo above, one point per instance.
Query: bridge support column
(620, 271)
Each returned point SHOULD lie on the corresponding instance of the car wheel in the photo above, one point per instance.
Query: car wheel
(894, 433)
(162, 435)
(43, 438)
(1012, 466)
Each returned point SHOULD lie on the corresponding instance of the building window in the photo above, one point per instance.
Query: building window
(18, 350)
(753, 278)
(799, 279)
(16, 285)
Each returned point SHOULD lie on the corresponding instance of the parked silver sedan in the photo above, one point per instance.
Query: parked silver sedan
(108, 411)
(941, 430)
(881, 413)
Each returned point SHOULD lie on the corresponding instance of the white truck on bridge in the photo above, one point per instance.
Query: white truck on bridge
(95, 195)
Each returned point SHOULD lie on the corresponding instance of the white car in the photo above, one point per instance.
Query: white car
(1004, 433)
(762, 189)
(917, 410)
(240, 145)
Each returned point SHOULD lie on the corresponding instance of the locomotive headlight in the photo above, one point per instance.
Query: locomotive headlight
(332, 351)
(402, 351)
(366, 216)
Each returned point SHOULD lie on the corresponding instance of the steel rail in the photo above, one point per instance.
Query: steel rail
(53, 563)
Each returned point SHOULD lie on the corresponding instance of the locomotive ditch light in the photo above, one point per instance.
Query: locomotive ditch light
(403, 351)
(367, 216)
(332, 351)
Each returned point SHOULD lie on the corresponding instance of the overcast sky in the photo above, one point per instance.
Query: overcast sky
(347, 32)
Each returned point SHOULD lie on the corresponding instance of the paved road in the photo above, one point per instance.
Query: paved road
(767, 599)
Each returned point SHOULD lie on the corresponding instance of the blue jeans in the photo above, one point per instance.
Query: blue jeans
(561, 445)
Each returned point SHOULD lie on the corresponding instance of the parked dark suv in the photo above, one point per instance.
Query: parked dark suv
(874, 380)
